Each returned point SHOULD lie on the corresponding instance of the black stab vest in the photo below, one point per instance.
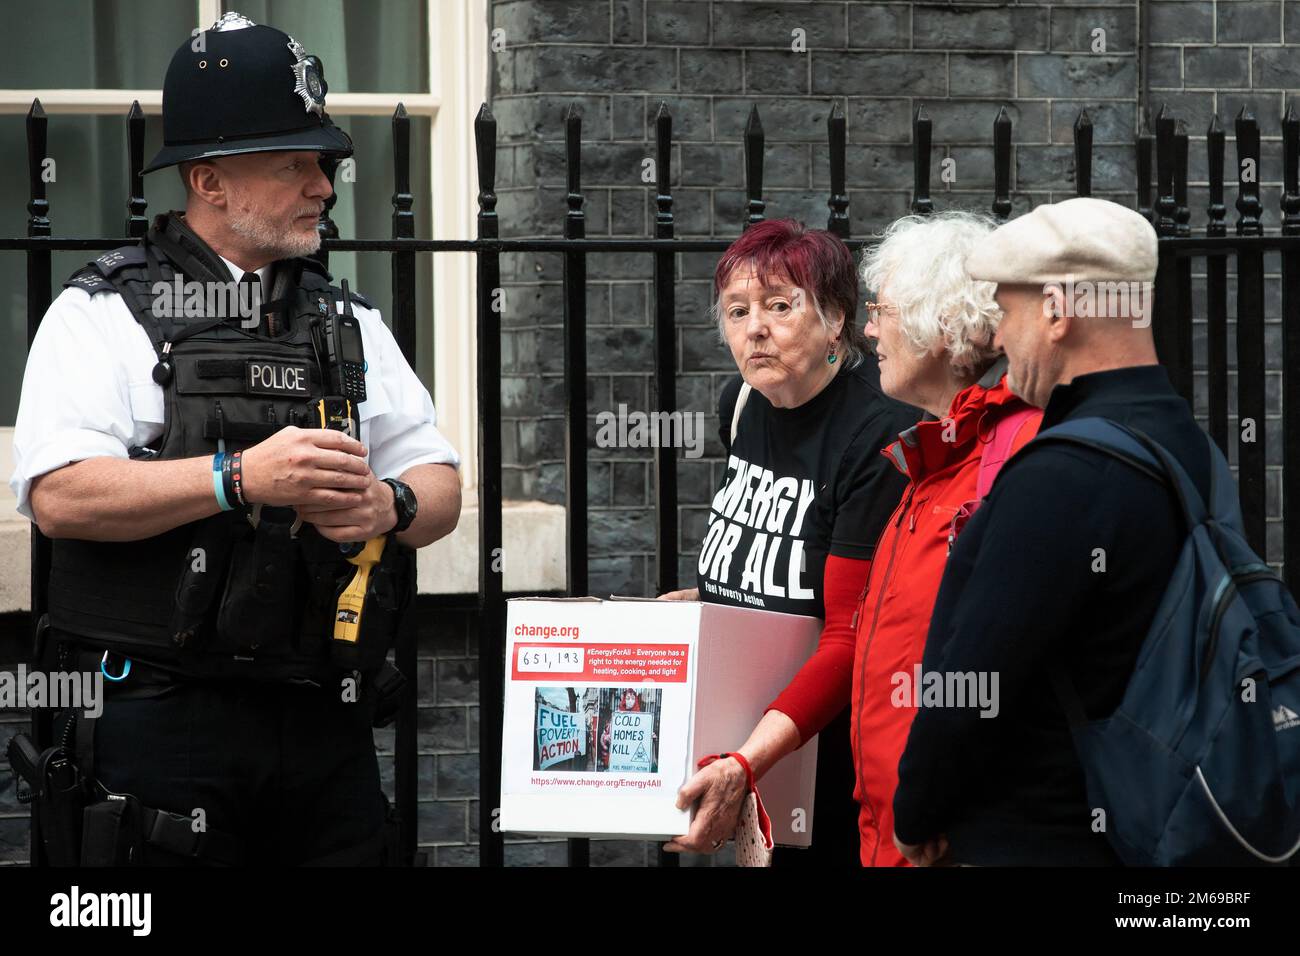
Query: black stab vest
(215, 598)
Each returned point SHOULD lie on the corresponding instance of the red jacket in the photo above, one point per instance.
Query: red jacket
(942, 462)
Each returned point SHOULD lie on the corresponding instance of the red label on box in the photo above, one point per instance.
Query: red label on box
(601, 663)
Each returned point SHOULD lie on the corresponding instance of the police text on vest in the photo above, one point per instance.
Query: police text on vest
(277, 378)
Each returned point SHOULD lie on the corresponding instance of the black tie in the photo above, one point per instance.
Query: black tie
(250, 298)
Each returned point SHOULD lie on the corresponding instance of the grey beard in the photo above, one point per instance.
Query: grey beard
(270, 241)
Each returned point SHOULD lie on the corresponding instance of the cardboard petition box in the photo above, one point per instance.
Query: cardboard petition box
(609, 704)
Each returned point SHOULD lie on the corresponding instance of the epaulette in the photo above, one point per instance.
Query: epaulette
(357, 297)
(94, 275)
(310, 264)
(314, 266)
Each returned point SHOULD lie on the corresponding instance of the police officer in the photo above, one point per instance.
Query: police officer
(233, 484)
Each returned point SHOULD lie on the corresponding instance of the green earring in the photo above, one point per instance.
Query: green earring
(832, 357)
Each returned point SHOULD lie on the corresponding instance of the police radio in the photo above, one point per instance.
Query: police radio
(347, 360)
(347, 384)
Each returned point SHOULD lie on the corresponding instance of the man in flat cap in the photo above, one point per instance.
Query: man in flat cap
(1065, 561)
(215, 473)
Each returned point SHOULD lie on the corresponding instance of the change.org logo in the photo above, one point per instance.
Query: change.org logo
(77, 909)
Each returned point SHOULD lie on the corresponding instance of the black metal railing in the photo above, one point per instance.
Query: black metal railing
(1179, 246)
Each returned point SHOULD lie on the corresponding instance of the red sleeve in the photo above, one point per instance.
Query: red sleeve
(822, 687)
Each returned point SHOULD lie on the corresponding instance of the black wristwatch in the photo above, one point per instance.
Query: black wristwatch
(405, 503)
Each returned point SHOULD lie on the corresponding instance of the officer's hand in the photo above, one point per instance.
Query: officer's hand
(373, 515)
(317, 467)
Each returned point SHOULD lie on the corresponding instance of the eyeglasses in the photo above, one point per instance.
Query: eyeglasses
(875, 310)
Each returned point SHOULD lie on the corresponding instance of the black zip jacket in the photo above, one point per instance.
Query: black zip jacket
(1067, 560)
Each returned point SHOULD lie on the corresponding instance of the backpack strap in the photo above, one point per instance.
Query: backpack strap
(1138, 450)
(1135, 449)
(998, 448)
(1225, 500)
(745, 389)
(1222, 507)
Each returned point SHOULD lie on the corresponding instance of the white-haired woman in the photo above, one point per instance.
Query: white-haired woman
(933, 331)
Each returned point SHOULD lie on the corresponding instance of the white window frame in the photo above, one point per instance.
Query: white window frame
(457, 87)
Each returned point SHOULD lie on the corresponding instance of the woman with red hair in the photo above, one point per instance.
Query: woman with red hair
(804, 497)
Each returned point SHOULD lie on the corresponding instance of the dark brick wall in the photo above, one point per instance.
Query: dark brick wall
(710, 62)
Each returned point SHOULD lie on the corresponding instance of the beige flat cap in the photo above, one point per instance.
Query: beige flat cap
(1078, 239)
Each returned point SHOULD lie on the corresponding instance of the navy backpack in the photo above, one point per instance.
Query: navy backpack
(1200, 763)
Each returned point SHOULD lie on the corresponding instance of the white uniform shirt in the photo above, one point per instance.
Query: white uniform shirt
(88, 391)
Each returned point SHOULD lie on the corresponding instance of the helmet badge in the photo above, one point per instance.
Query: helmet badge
(231, 21)
(308, 83)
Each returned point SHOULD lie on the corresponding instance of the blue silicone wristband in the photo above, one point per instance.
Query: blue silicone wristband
(217, 483)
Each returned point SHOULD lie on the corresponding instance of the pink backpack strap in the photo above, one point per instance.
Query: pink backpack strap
(998, 449)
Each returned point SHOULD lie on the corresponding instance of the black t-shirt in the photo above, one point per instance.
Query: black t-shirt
(800, 483)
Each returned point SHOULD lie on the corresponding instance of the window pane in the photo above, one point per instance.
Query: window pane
(94, 44)
(87, 199)
(366, 46)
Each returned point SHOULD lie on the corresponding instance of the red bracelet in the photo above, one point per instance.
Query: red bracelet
(237, 475)
(749, 771)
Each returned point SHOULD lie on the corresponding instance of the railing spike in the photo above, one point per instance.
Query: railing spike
(1002, 164)
(921, 125)
(1083, 154)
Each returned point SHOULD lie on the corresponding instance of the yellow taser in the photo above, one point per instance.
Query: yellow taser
(347, 617)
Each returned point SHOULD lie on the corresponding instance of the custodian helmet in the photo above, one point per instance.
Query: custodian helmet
(238, 87)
